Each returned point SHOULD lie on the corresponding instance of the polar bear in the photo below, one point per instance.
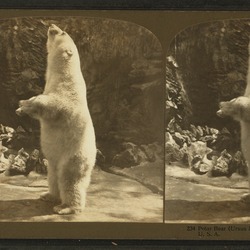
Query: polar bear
(239, 109)
(67, 132)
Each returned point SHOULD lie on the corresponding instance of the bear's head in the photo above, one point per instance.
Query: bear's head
(60, 45)
(238, 108)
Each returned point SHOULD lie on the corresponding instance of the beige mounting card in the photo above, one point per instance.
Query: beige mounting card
(133, 123)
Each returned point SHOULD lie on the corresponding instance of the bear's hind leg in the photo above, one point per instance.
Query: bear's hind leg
(74, 180)
(245, 145)
(53, 194)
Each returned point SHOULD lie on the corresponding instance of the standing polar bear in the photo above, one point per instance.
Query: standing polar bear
(239, 109)
(67, 132)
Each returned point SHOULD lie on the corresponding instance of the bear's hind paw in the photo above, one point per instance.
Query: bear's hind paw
(65, 209)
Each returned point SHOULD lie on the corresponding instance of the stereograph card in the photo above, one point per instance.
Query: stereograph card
(133, 123)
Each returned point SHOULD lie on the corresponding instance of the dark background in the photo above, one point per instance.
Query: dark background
(212, 63)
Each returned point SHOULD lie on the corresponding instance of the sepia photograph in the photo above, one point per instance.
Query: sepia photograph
(124, 125)
(81, 121)
(207, 150)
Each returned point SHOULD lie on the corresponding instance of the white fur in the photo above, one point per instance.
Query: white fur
(239, 109)
(245, 147)
(67, 132)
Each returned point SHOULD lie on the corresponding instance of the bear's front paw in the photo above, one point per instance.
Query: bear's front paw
(27, 107)
(65, 209)
(20, 112)
(245, 198)
(27, 103)
(49, 197)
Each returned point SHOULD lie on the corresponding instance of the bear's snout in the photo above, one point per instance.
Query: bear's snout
(54, 30)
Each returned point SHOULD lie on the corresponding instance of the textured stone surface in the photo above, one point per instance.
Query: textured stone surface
(191, 198)
(111, 198)
(149, 174)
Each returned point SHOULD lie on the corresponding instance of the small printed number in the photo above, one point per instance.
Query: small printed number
(191, 228)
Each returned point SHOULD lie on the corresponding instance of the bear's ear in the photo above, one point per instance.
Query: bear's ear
(67, 53)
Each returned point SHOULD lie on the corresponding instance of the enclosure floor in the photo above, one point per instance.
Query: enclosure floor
(191, 198)
(111, 198)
